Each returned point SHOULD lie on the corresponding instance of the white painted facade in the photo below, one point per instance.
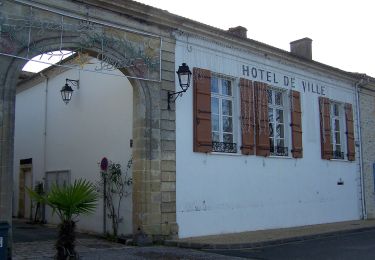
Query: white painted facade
(96, 123)
(225, 193)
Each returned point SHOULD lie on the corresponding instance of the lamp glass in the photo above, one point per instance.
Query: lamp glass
(184, 75)
(66, 93)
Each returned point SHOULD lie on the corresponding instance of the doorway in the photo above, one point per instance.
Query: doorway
(25, 181)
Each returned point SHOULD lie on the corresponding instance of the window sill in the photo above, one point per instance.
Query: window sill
(280, 157)
(230, 154)
(340, 160)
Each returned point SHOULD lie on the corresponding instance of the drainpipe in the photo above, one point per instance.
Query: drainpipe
(45, 136)
(357, 85)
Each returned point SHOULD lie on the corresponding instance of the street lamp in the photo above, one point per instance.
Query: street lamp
(67, 91)
(184, 77)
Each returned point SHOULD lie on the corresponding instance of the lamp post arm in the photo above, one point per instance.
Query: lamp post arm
(172, 96)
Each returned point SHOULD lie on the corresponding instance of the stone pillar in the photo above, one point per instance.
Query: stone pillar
(7, 110)
(154, 169)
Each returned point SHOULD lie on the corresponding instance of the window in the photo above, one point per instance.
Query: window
(265, 125)
(276, 119)
(59, 178)
(337, 130)
(222, 125)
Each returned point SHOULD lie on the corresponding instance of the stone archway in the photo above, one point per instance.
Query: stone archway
(153, 125)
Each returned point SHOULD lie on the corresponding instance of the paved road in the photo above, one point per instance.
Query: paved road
(25, 232)
(343, 247)
(36, 242)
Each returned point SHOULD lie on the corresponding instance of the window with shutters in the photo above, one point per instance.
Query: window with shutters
(222, 115)
(337, 130)
(277, 120)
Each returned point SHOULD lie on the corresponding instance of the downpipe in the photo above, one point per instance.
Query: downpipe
(363, 199)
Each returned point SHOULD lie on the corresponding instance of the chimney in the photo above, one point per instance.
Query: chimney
(239, 31)
(302, 48)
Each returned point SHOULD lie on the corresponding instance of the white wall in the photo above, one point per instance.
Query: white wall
(28, 135)
(96, 123)
(222, 193)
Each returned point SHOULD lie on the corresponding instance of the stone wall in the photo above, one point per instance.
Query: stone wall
(154, 150)
(367, 105)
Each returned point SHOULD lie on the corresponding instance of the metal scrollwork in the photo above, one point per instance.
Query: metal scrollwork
(338, 155)
(222, 147)
(279, 151)
(117, 48)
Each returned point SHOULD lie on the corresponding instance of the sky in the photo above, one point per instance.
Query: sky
(43, 61)
(342, 31)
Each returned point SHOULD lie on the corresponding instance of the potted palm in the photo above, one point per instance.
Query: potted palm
(68, 202)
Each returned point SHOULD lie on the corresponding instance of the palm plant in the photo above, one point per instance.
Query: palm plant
(68, 202)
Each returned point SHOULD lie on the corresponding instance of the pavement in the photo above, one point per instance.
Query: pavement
(261, 238)
(94, 247)
(36, 242)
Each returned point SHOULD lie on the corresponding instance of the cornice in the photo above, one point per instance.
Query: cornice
(172, 23)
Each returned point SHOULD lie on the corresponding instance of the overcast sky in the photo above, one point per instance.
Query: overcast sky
(342, 31)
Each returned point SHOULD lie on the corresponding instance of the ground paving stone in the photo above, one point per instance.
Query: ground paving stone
(98, 249)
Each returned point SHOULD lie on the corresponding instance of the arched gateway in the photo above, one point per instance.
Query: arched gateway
(141, 48)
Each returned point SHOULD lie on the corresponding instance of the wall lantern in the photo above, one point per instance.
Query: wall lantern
(67, 91)
(184, 76)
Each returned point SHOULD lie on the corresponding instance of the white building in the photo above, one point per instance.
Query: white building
(263, 139)
(255, 164)
(58, 142)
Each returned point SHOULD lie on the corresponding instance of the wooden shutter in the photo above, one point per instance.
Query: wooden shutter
(247, 116)
(261, 119)
(296, 124)
(202, 110)
(325, 128)
(350, 132)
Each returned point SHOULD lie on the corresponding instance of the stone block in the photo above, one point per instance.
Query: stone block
(168, 125)
(168, 218)
(168, 186)
(155, 197)
(168, 207)
(155, 175)
(168, 75)
(168, 176)
(167, 56)
(169, 166)
(168, 135)
(167, 145)
(155, 186)
(152, 229)
(165, 229)
(168, 155)
(168, 196)
(168, 114)
(168, 46)
(168, 66)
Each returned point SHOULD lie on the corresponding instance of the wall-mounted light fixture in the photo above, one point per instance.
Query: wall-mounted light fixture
(184, 77)
(67, 91)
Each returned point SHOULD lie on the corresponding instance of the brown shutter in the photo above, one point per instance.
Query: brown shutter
(296, 124)
(202, 110)
(247, 116)
(350, 132)
(261, 119)
(325, 128)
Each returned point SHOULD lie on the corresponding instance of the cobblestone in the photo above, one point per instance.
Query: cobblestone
(98, 249)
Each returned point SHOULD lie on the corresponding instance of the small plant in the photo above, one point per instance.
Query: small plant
(115, 185)
(68, 202)
(38, 208)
